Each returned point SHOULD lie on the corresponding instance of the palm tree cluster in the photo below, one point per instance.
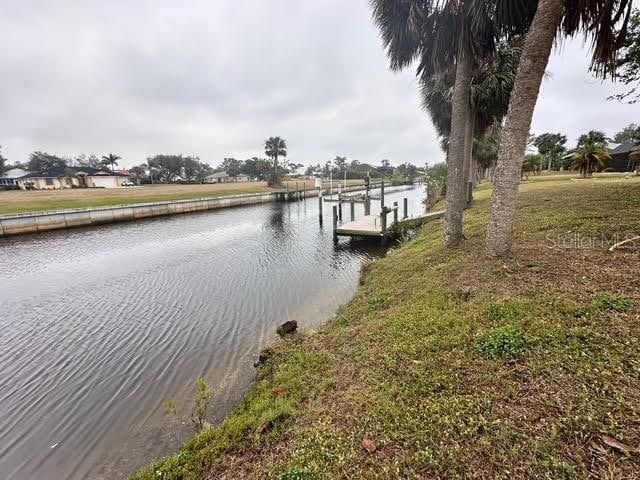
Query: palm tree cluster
(480, 64)
(589, 157)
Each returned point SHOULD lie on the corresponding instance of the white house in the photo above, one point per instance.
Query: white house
(218, 177)
(11, 176)
(71, 177)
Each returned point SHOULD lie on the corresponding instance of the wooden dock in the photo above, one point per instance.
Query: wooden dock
(372, 225)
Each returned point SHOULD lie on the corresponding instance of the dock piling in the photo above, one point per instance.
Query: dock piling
(395, 212)
(320, 205)
(405, 206)
(382, 193)
(339, 208)
(353, 210)
(335, 224)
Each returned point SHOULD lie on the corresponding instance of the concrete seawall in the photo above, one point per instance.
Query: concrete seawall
(19, 224)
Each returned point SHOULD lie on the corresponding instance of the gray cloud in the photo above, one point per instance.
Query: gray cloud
(215, 78)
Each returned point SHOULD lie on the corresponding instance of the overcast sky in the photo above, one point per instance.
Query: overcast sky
(216, 77)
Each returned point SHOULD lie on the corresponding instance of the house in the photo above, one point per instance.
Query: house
(240, 178)
(9, 179)
(621, 160)
(218, 177)
(70, 177)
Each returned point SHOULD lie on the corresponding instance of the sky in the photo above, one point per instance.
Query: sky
(215, 78)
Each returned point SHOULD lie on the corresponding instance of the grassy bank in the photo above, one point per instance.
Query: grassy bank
(17, 201)
(448, 365)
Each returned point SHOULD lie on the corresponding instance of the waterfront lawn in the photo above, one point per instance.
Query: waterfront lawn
(448, 365)
(18, 201)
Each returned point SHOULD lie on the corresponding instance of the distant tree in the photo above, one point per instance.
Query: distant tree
(407, 170)
(293, 167)
(486, 151)
(45, 161)
(630, 133)
(385, 163)
(139, 172)
(340, 163)
(552, 147)
(232, 166)
(532, 163)
(629, 62)
(193, 170)
(111, 160)
(274, 148)
(93, 161)
(165, 168)
(313, 170)
(3, 162)
(594, 137)
(354, 165)
(589, 157)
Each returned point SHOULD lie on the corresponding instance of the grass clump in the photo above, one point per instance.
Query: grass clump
(606, 301)
(504, 312)
(503, 343)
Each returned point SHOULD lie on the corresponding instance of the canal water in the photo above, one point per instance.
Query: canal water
(98, 327)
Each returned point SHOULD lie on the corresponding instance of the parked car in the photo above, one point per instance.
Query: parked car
(127, 183)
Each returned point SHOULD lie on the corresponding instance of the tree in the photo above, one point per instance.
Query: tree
(630, 133)
(275, 147)
(589, 157)
(111, 160)
(165, 168)
(440, 34)
(629, 62)
(532, 164)
(139, 172)
(551, 146)
(3, 162)
(39, 161)
(595, 137)
(605, 22)
(340, 163)
(93, 161)
(232, 166)
(193, 170)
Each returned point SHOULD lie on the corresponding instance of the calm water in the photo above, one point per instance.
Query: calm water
(99, 326)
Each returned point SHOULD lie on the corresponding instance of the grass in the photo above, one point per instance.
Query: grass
(17, 201)
(454, 366)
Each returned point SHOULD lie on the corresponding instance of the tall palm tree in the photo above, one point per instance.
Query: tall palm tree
(589, 157)
(605, 22)
(438, 34)
(275, 147)
(111, 159)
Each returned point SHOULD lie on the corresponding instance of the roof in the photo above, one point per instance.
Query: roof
(625, 147)
(64, 172)
(14, 173)
(218, 175)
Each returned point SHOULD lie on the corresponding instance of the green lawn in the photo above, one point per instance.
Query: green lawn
(448, 365)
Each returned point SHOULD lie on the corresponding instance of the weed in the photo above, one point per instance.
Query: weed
(606, 301)
(504, 312)
(296, 473)
(502, 343)
(201, 404)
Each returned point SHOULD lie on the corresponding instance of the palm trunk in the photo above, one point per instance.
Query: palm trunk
(456, 181)
(533, 62)
(468, 156)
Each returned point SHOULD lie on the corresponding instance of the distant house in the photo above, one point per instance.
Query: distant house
(218, 177)
(70, 177)
(240, 178)
(9, 179)
(621, 160)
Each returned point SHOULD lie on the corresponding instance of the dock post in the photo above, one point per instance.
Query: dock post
(335, 224)
(339, 207)
(382, 193)
(395, 212)
(405, 206)
(353, 211)
(367, 206)
(383, 226)
(320, 205)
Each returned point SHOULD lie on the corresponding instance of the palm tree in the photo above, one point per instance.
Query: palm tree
(598, 19)
(589, 158)
(111, 159)
(441, 33)
(275, 147)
